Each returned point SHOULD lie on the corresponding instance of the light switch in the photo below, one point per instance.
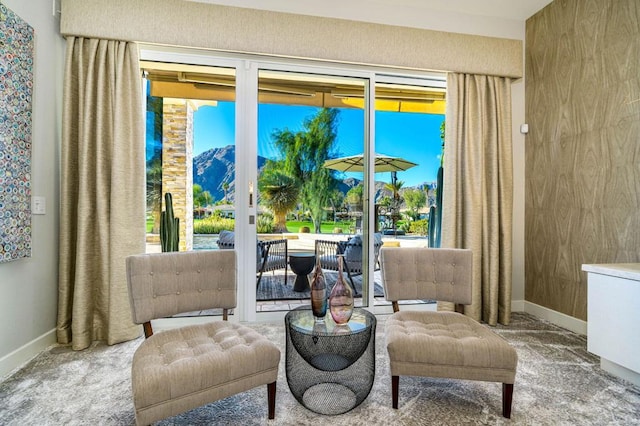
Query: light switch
(38, 205)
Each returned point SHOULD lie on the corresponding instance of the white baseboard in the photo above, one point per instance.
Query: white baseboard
(562, 320)
(517, 306)
(620, 371)
(26, 352)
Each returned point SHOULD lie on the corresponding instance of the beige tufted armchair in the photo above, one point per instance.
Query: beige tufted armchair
(180, 369)
(440, 344)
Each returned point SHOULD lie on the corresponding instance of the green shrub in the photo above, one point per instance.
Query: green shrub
(213, 225)
(304, 229)
(419, 227)
(264, 225)
(337, 230)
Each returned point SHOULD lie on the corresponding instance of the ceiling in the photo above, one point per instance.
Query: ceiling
(209, 83)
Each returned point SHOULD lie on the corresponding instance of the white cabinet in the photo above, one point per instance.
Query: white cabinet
(613, 318)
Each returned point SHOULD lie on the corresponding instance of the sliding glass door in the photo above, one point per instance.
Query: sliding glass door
(288, 162)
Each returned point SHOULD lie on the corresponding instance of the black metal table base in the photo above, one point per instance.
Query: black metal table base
(332, 372)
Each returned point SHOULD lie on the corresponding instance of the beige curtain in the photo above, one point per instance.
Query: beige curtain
(102, 207)
(478, 188)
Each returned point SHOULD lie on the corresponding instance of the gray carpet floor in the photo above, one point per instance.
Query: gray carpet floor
(558, 383)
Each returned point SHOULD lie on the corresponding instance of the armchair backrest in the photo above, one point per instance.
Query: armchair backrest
(166, 284)
(352, 249)
(226, 240)
(416, 273)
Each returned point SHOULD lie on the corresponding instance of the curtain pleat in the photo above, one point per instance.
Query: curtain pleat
(102, 201)
(478, 188)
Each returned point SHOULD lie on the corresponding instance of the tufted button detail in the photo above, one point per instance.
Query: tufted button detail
(219, 289)
(151, 273)
(154, 296)
(198, 270)
(178, 293)
(177, 272)
(199, 290)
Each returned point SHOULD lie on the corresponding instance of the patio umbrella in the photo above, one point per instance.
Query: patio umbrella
(355, 163)
(383, 163)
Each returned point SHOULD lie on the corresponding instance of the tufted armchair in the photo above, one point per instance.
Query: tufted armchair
(176, 370)
(440, 344)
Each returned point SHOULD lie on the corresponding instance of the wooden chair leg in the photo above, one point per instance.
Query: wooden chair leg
(395, 383)
(271, 397)
(507, 396)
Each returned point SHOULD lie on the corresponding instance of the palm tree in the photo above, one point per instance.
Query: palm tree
(154, 190)
(279, 192)
(395, 201)
(394, 188)
(225, 188)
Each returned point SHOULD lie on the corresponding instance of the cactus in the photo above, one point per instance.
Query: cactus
(169, 226)
(435, 214)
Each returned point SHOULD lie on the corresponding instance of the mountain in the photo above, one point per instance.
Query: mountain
(214, 167)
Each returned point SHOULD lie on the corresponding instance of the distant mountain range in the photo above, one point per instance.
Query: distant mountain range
(214, 167)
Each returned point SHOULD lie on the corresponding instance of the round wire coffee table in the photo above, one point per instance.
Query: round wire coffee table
(330, 368)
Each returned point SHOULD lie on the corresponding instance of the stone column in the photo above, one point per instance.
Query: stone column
(177, 163)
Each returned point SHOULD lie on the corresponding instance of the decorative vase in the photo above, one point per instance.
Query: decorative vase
(318, 293)
(341, 298)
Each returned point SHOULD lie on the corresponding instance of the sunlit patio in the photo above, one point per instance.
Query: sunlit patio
(273, 294)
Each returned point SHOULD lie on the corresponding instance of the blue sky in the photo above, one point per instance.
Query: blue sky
(413, 136)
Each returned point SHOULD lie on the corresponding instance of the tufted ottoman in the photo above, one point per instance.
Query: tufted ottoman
(449, 345)
(176, 370)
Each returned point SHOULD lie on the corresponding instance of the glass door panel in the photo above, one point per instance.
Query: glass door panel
(408, 124)
(191, 152)
(313, 209)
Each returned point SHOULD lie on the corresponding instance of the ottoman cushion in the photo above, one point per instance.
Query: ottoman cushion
(447, 344)
(203, 362)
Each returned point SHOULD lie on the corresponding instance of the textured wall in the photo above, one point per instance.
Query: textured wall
(583, 150)
(235, 29)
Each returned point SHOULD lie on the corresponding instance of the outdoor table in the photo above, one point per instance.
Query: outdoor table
(302, 265)
(330, 368)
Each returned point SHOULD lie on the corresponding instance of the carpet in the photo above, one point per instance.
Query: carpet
(272, 286)
(558, 383)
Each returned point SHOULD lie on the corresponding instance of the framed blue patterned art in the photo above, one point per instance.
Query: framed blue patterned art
(16, 87)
